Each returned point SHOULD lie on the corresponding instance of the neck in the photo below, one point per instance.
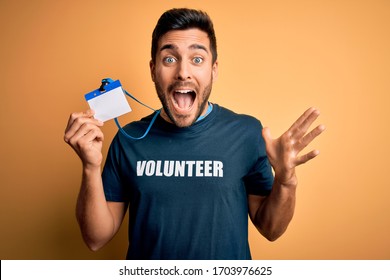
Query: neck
(204, 114)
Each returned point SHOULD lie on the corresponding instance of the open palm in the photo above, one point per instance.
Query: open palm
(283, 152)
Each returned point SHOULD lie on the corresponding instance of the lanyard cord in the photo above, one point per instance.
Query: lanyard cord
(107, 81)
(210, 108)
(146, 132)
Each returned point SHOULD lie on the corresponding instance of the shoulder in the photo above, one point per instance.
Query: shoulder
(229, 117)
(246, 130)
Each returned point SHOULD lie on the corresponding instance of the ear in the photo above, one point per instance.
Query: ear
(152, 68)
(215, 70)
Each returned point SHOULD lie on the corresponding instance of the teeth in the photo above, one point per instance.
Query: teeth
(184, 91)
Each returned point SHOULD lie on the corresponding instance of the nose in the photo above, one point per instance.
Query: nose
(183, 71)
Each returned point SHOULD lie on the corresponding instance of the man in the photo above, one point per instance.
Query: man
(191, 183)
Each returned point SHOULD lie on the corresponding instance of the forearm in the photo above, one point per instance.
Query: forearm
(274, 215)
(93, 214)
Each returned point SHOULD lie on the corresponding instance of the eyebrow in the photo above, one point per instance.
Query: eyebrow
(193, 46)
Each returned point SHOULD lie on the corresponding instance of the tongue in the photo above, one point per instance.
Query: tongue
(184, 100)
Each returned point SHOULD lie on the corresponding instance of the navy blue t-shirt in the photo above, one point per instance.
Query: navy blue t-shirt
(187, 187)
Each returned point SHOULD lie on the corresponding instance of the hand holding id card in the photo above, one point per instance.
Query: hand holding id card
(109, 103)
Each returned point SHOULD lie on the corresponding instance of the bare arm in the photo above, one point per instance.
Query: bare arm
(272, 214)
(98, 219)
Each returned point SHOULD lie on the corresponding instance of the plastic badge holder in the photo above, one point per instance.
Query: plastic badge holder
(109, 103)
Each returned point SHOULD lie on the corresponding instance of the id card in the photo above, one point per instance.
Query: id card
(110, 103)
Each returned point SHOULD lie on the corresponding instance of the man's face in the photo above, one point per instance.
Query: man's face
(183, 75)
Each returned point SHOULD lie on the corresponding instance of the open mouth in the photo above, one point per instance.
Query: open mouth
(184, 99)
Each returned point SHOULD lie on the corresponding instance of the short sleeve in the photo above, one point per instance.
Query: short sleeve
(260, 179)
(113, 182)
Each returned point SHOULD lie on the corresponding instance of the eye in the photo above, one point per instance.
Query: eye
(169, 60)
(197, 60)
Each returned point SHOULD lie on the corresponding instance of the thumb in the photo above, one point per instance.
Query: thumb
(89, 113)
(266, 132)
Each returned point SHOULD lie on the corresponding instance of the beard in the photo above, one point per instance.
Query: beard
(183, 120)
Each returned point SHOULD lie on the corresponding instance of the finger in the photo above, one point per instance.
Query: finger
(308, 138)
(89, 146)
(302, 118)
(79, 127)
(78, 123)
(92, 135)
(81, 134)
(300, 127)
(74, 116)
(305, 158)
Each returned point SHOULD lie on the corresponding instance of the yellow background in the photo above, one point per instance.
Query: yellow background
(276, 58)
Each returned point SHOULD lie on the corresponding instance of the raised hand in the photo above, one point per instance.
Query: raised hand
(283, 152)
(85, 137)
